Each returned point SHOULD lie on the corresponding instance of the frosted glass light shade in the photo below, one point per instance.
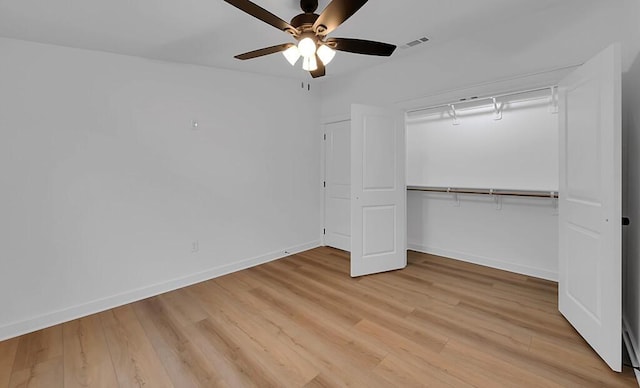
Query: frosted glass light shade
(307, 47)
(292, 54)
(309, 63)
(326, 54)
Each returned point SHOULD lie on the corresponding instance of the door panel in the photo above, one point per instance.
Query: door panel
(378, 192)
(380, 153)
(379, 223)
(590, 270)
(338, 185)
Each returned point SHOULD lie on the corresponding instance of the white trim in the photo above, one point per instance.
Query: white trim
(630, 343)
(323, 170)
(322, 183)
(56, 317)
(486, 261)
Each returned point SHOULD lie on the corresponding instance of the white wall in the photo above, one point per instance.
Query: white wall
(489, 61)
(518, 234)
(519, 151)
(105, 185)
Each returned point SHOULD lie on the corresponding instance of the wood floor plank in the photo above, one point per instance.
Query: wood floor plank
(342, 355)
(251, 344)
(345, 357)
(38, 361)
(332, 260)
(87, 362)
(419, 289)
(320, 381)
(476, 342)
(452, 285)
(243, 354)
(580, 362)
(431, 364)
(184, 363)
(491, 370)
(330, 305)
(302, 321)
(490, 329)
(8, 351)
(134, 358)
(347, 286)
(397, 372)
(349, 293)
(46, 374)
(38, 347)
(237, 281)
(221, 355)
(182, 308)
(228, 307)
(335, 331)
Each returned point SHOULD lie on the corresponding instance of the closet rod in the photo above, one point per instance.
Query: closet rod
(550, 88)
(514, 193)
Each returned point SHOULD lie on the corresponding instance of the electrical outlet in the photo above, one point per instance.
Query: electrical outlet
(195, 247)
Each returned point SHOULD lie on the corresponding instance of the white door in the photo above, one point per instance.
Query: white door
(337, 193)
(378, 190)
(590, 271)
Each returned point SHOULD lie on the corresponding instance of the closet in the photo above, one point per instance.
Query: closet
(482, 177)
(528, 181)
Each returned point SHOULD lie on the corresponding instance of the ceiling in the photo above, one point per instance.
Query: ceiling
(211, 32)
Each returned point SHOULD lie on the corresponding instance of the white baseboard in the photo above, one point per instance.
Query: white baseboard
(630, 343)
(487, 262)
(56, 317)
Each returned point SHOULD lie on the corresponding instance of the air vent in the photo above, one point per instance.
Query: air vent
(415, 42)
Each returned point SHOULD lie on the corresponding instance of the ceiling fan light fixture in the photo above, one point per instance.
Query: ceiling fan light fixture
(326, 54)
(309, 63)
(310, 30)
(292, 54)
(307, 47)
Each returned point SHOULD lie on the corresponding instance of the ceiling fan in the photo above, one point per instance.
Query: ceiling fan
(311, 30)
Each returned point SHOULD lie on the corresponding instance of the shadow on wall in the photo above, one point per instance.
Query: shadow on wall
(631, 197)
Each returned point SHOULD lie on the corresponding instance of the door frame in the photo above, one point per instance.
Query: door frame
(323, 170)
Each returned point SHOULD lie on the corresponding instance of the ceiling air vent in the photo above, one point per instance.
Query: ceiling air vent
(415, 42)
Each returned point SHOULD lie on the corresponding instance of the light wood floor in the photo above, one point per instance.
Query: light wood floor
(302, 321)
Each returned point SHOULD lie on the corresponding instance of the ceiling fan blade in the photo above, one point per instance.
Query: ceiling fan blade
(264, 51)
(262, 14)
(320, 71)
(360, 46)
(335, 14)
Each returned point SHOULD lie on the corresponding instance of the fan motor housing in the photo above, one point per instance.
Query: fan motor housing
(304, 21)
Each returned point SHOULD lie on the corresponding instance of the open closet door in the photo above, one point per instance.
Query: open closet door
(378, 190)
(590, 281)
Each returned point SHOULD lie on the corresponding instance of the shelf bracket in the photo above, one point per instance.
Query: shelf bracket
(497, 109)
(497, 199)
(456, 200)
(453, 114)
